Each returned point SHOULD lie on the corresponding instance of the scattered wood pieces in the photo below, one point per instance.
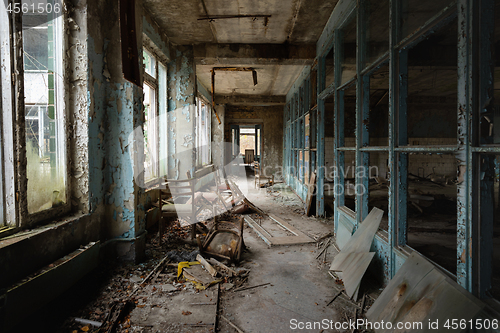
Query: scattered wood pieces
(328, 235)
(88, 322)
(160, 264)
(323, 249)
(245, 288)
(230, 271)
(207, 266)
(230, 323)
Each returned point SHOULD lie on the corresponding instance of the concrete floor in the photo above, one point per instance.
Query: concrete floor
(300, 286)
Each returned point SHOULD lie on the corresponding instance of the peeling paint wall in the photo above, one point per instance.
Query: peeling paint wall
(78, 85)
(181, 111)
(115, 108)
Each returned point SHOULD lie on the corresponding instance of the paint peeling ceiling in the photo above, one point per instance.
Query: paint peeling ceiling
(291, 21)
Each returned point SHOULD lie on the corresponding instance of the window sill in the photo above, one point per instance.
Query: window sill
(7, 231)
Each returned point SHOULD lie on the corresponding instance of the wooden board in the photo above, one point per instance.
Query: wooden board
(299, 238)
(344, 231)
(310, 191)
(420, 292)
(362, 239)
(354, 271)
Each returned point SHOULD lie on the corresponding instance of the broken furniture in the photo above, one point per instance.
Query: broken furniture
(258, 175)
(179, 198)
(224, 240)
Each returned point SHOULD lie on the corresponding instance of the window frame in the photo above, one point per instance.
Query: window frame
(15, 212)
(160, 118)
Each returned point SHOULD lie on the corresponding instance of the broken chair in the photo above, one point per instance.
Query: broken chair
(178, 198)
(224, 240)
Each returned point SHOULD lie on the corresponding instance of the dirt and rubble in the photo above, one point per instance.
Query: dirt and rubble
(267, 288)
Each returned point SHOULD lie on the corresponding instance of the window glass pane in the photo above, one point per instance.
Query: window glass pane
(348, 59)
(163, 124)
(150, 134)
(44, 112)
(149, 63)
(415, 13)
(377, 34)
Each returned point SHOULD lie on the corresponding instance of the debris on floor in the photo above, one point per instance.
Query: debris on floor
(288, 235)
(353, 260)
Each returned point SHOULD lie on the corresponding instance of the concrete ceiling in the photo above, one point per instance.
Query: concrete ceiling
(291, 32)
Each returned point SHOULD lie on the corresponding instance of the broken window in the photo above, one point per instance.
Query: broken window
(329, 69)
(432, 89)
(347, 144)
(432, 207)
(377, 34)
(415, 13)
(378, 186)
(378, 115)
(348, 58)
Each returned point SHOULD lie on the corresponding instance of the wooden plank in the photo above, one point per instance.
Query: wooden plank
(215, 262)
(285, 225)
(270, 240)
(258, 229)
(421, 292)
(198, 274)
(362, 239)
(354, 271)
(207, 266)
(310, 191)
(394, 295)
(340, 262)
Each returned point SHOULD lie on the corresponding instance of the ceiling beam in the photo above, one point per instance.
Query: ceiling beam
(253, 100)
(254, 54)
